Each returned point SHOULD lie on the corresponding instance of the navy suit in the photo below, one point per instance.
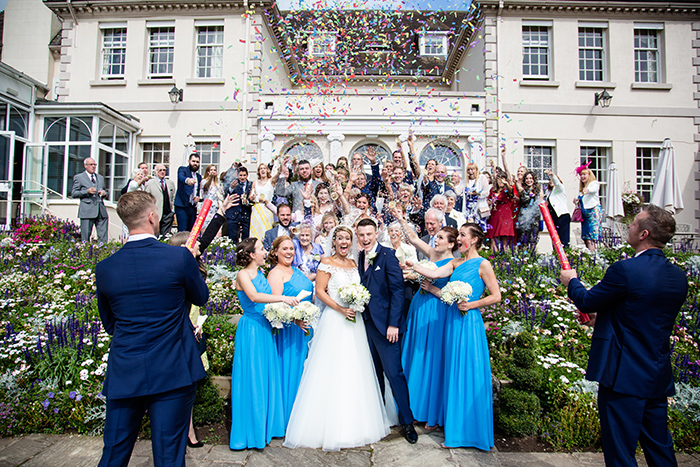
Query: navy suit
(384, 281)
(636, 304)
(185, 211)
(238, 215)
(271, 235)
(144, 292)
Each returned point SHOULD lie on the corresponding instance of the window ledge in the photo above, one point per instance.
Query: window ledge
(596, 84)
(108, 82)
(155, 82)
(205, 81)
(655, 86)
(542, 83)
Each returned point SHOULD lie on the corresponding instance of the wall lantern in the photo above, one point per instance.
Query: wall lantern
(603, 99)
(175, 95)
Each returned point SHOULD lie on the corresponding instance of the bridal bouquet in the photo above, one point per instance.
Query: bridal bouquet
(277, 314)
(355, 296)
(427, 264)
(456, 291)
(306, 312)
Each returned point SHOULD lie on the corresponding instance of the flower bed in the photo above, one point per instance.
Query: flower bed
(54, 352)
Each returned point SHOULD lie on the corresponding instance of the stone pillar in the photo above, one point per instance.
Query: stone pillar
(336, 140)
(478, 150)
(266, 139)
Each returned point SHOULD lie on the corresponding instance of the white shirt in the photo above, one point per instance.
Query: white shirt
(137, 237)
(591, 199)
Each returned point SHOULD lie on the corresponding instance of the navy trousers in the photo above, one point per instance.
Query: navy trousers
(185, 217)
(624, 420)
(387, 361)
(170, 421)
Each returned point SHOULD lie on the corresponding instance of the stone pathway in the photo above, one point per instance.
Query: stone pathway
(392, 451)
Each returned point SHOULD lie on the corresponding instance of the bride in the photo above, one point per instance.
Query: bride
(339, 403)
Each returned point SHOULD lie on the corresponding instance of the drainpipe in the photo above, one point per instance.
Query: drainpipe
(498, 78)
(72, 12)
(246, 64)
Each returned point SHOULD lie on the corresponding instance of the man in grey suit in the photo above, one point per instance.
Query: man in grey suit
(163, 190)
(433, 224)
(284, 188)
(89, 187)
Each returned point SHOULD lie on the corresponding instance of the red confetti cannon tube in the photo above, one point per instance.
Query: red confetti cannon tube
(559, 248)
(198, 224)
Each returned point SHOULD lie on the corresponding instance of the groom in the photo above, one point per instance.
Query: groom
(384, 321)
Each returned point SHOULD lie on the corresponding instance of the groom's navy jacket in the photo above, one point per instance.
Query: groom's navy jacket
(384, 281)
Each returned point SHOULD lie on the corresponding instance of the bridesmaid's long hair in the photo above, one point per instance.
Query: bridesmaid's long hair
(477, 232)
(272, 255)
(245, 249)
(452, 235)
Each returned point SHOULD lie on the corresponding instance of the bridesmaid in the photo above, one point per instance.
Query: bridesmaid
(257, 409)
(292, 344)
(468, 399)
(422, 351)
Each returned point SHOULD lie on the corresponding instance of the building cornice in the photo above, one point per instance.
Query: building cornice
(82, 7)
(593, 6)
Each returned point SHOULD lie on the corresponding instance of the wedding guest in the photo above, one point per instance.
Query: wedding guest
(555, 195)
(261, 218)
(238, 215)
(503, 202)
(284, 215)
(143, 167)
(422, 354)
(163, 190)
(451, 212)
(212, 190)
(637, 305)
(342, 162)
(589, 202)
(257, 404)
(403, 251)
(295, 189)
(476, 193)
(89, 187)
(324, 203)
(530, 195)
(468, 404)
(307, 254)
(187, 195)
(138, 180)
(292, 343)
(328, 222)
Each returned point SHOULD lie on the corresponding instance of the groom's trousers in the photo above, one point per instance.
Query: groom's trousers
(387, 361)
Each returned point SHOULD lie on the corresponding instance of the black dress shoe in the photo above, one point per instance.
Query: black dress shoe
(198, 444)
(410, 434)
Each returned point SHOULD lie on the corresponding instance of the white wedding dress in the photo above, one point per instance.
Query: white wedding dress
(339, 404)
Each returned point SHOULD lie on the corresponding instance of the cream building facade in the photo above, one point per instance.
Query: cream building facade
(112, 64)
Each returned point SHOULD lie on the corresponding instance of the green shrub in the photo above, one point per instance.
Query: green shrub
(526, 379)
(220, 353)
(524, 358)
(208, 406)
(685, 432)
(574, 424)
(519, 413)
(525, 340)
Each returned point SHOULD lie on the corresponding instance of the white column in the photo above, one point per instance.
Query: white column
(266, 139)
(478, 150)
(336, 140)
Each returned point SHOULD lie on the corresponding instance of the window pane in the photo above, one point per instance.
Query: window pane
(55, 170)
(539, 159)
(443, 153)
(304, 150)
(55, 129)
(19, 119)
(80, 129)
(208, 153)
(113, 53)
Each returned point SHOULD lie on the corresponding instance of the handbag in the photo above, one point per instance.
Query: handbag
(577, 216)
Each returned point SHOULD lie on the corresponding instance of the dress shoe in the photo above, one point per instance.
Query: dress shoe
(410, 434)
(198, 444)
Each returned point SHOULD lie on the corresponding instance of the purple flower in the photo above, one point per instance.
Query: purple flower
(45, 404)
(72, 395)
(55, 410)
(78, 397)
(51, 394)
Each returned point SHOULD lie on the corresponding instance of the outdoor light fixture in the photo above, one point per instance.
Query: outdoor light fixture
(175, 95)
(601, 98)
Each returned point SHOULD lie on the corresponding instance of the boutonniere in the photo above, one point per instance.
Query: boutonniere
(316, 257)
(371, 256)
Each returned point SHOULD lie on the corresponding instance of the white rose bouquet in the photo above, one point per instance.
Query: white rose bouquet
(456, 291)
(277, 314)
(306, 312)
(427, 264)
(354, 296)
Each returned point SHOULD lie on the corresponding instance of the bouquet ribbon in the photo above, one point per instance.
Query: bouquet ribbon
(197, 228)
(558, 247)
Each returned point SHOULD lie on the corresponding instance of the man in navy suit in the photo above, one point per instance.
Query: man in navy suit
(238, 215)
(284, 214)
(381, 274)
(189, 183)
(144, 292)
(636, 304)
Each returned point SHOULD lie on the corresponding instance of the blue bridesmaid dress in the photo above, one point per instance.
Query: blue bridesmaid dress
(468, 398)
(422, 354)
(257, 409)
(293, 345)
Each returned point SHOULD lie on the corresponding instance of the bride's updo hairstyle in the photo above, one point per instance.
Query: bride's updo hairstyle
(452, 235)
(244, 251)
(341, 228)
(476, 232)
(272, 255)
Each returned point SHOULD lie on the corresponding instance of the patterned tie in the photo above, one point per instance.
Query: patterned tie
(92, 177)
(162, 183)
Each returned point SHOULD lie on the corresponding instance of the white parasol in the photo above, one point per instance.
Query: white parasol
(613, 204)
(667, 191)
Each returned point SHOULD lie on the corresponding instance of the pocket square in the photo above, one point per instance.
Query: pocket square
(377, 268)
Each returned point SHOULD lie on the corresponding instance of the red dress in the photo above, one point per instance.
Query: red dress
(503, 215)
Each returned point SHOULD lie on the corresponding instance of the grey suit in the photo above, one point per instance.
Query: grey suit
(426, 239)
(294, 189)
(92, 210)
(166, 218)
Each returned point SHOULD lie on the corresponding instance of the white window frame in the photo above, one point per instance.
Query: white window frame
(322, 43)
(646, 177)
(537, 148)
(160, 46)
(427, 48)
(209, 152)
(210, 51)
(112, 49)
(588, 28)
(601, 161)
(529, 46)
(149, 152)
(657, 30)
